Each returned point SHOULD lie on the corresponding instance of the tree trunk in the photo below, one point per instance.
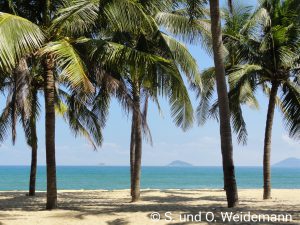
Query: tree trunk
(20, 74)
(224, 112)
(33, 165)
(33, 144)
(50, 133)
(132, 151)
(230, 6)
(267, 141)
(138, 145)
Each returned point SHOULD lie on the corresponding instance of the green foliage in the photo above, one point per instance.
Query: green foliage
(19, 37)
(100, 49)
(69, 63)
(263, 49)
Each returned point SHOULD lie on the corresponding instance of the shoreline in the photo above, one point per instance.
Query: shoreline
(154, 189)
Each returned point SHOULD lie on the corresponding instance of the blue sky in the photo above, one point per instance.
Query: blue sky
(199, 145)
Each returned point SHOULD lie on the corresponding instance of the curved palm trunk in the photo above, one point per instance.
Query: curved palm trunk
(225, 128)
(50, 133)
(132, 151)
(267, 141)
(137, 120)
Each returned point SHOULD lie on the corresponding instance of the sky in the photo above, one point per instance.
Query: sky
(199, 145)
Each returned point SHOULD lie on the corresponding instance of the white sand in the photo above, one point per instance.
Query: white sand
(114, 207)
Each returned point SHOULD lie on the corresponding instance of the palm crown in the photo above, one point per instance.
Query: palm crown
(269, 56)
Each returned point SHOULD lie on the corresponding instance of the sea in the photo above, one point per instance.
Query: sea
(117, 177)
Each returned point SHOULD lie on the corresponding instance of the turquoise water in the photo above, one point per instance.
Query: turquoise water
(117, 177)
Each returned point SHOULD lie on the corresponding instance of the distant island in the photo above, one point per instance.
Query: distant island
(290, 162)
(178, 163)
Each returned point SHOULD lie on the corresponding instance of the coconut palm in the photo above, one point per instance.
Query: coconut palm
(234, 24)
(269, 58)
(179, 59)
(23, 103)
(189, 21)
(143, 64)
(146, 80)
(194, 25)
(20, 37)
(51, 35)
(224, 111)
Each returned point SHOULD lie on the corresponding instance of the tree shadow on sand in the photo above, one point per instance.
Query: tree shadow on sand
(20, 201)
(85, 204)
(117, 222)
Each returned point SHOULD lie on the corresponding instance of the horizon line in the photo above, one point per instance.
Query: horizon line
(147, 165)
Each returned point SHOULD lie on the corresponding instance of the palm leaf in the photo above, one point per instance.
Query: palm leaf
(184, 59)
(69, 63)
(290, 106)
(18, 38)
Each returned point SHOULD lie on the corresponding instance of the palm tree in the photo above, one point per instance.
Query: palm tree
(234, 23)
(224, 111)
(137, 65)
(28, 38)
(146, 77)
(22, 37)
(23, 102)
(30, 112)
(146, 81)
(189, 21)
(60, 34)
(112, 12)
(269, 57)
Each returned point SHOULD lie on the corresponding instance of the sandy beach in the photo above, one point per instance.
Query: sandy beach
(114, 207)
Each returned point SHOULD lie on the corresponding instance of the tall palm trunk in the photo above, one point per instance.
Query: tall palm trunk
(49, 91)
(50, 132)
(267, 141)
(33, 160)
(132, 151)
(137, 120)
(33, 144)
(225, 128)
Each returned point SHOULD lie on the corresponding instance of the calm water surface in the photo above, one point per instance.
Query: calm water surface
(117, 177)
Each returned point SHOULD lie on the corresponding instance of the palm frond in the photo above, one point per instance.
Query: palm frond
(290, 108)
(191, 31)
(205, 95)
(76, 17)
(19, 37)
(184, 59)
(69, 63)
(81, 119)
